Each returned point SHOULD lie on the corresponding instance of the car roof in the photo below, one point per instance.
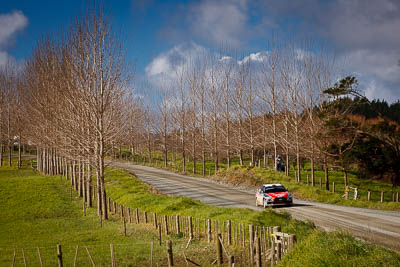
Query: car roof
(271, 185)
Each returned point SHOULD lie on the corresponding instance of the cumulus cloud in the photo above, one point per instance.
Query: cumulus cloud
(220, 21)
(214, 23)
(10, 25)
(168, 65)
(255, 57)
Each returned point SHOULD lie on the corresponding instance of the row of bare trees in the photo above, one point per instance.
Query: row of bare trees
(218, 108)
(70, 100)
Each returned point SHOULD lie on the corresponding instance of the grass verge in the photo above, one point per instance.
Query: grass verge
(338, 249)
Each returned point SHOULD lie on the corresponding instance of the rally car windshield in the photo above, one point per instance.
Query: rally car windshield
(274, 189)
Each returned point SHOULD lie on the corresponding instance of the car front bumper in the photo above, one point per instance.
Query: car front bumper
(278, 202)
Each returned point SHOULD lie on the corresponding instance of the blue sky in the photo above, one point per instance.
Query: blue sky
(365, 34)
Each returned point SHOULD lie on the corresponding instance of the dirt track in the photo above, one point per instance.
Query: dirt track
(382, 227)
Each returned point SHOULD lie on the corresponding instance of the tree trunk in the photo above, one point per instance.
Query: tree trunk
(215, 147)
(9, 153)
(326, 177)
(194, 151)
(1, 154)
(298, 167)
(99, 190)
(240, 144)
(345, 176)
(89, 186)
(74, 174)
(19, 153)
(80, 179)
(312, 172)
(165, 150)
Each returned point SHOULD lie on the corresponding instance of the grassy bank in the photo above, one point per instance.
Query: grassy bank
(338, 249)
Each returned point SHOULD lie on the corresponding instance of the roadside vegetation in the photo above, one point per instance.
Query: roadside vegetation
(338, 249)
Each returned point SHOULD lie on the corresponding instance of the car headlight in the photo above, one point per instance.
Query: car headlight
(290, 196)
(267, 196)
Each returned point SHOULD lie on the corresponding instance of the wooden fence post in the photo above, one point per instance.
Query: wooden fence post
(137, 216)
(291, 240)
(145, 217)
(209, 230)
(369, 195)
(220, 260)
(277, 245)
(333, 187)
(170, 254)
(231, 261)
(59, 256)
(112, 255)
(251, 244)
(155, 220)
(382, 196)
(123, 218)
(178, 228)
(151, 253)
(258, 252)
(23, 256)
(76, 256)
(190, 227)
(159, 233)
(166, 224)
(229, 232)
(279, 251)
(273, 253)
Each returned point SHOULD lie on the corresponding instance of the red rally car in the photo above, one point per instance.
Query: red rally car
(273, 195)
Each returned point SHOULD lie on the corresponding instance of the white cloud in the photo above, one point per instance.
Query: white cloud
(167, 66)
(4, 57)
(10, 25)
(220, 22)
(255, 57)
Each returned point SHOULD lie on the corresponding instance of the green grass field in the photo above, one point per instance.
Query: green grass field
(37, 212)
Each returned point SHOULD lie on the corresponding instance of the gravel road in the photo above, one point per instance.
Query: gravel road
(382, 227)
